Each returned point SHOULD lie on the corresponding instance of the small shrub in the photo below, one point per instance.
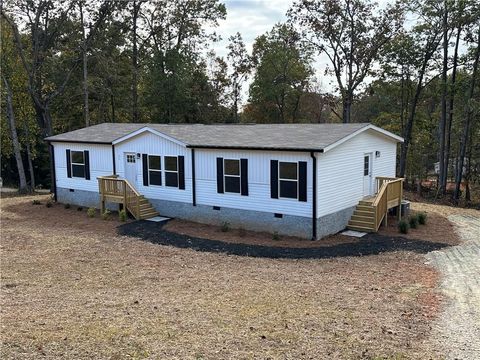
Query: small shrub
(422, 218)
(122, 215)
(49, 204)
(275, 236)
(413, 221)
(91, 212)
(36, 202)
(79, 208)
(106, 215)
(66, 206)
(403, 226)
(225, 226)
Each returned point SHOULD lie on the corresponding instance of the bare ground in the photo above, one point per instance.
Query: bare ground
(72, 288)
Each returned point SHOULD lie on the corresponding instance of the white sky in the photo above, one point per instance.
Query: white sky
(255, 17)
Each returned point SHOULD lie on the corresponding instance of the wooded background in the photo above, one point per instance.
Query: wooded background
(410, 67)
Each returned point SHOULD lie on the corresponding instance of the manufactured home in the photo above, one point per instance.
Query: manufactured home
(307, 180)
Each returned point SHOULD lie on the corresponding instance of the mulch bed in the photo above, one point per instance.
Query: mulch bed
(371, 244)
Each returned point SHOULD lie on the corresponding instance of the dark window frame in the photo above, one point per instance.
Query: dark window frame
(150, 170)
(238, 177)
(366, 165)
(72, 164)
(176, 172)
(296, 181)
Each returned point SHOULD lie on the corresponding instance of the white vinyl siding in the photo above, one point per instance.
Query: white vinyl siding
(258, 198)
(100, 158)
(341, 170)
(152, 144)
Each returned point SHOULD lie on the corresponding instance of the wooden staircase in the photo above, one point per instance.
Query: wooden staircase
(363, 218)
(370, 213)
(116, 190)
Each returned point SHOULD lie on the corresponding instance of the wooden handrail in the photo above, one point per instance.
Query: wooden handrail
(389, 195)
(120, 190)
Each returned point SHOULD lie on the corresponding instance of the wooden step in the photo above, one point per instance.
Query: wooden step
(367, 213)
(366, 219)
(367, 224)
(365, 208)
(365, 202)
(360, 228)
(148, 215)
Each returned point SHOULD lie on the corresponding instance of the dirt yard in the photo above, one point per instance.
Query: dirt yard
(72, 288)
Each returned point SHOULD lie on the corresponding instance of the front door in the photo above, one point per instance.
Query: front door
(367, 175)
(130, 168)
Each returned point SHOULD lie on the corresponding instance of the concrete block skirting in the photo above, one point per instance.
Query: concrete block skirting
(82, 198)
(290, 225)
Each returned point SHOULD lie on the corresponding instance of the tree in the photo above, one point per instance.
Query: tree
(240, 63)
(350, 34)
(282, 74)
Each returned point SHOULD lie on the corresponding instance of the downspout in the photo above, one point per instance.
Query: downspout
(314, 195)
(113, 158)
(194, 195)
(54, 176)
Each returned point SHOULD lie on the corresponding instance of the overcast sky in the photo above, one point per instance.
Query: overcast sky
(254, 17)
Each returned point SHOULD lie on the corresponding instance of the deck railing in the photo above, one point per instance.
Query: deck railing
(390, 192)
(118, 190)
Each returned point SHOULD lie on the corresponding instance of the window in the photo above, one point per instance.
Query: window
(366, 165)
(78, 164)
(231, 175)
(288, 179)
(130, 158)
(171, 171)
(154, 170)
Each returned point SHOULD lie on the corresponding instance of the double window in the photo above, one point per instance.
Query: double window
(288, 180)
(231, 175)
(154, 170)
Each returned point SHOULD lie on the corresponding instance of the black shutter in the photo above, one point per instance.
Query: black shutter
(86, 158)
(220, 175)
(145, 169)
(302, 181)
(69, 164)
(274, 179)
(181, 172)
(244, 176)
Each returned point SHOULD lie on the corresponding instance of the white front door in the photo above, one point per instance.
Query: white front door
(130, 168)
(367, 175)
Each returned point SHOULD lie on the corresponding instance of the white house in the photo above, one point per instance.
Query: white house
(296, 179)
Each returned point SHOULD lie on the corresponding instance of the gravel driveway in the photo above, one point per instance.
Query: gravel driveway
(457, 330)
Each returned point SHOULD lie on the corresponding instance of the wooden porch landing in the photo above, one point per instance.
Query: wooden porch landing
(120, 191)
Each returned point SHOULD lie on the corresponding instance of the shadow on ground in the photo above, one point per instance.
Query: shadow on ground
(370, 244)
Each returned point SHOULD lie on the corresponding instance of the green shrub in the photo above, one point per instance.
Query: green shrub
(79, 208)
(36, 202)
(122, 215)
(91, 212)
(66, 206)
(413, 221)
(403, 226)
(422, 218)
(275, 236)
(106, 215)
(49, 204)
(225, 226)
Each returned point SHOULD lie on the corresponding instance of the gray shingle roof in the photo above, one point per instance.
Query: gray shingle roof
(308, 137)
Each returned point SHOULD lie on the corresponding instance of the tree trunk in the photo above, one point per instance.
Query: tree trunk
(86, 112)
(450, 106)
(467, 123)
(135, 115)
(23, 188)
(443, 116)
(29, 158)
(347, 106)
